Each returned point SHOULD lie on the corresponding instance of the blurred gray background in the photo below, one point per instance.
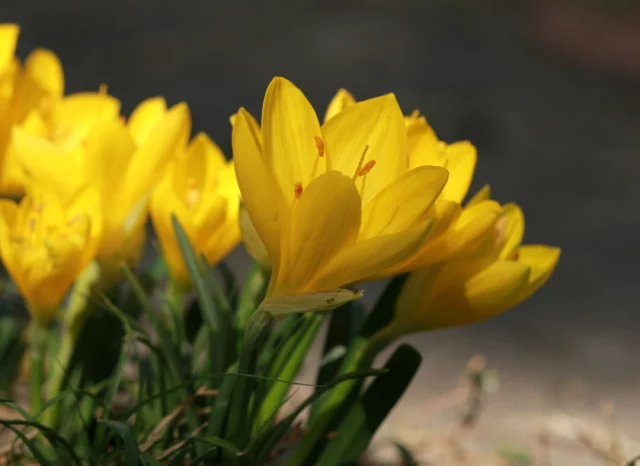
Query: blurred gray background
(549, 92)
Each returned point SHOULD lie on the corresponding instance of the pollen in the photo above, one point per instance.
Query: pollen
(367, 168)
(319, 145)
(297, 190)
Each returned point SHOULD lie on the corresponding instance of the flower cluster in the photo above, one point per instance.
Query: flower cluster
(367, 193)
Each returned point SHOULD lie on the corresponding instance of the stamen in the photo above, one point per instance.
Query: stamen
(297, 190)
(319, 145)
(32, 224)
(73, 220)
(367, 168)
(122, 119)
(360, 162)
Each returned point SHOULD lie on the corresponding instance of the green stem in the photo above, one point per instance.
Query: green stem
(175, 313)
(239, 422)
(72, 324)
(37, 351)
(359, 356)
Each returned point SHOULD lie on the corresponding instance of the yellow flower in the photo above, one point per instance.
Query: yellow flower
(200, 188)
(490, 277)
(46, 243)
(123, 172)
(454, 229)
(23, 90)
(335, 204)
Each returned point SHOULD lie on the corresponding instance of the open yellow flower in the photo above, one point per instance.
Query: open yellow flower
(123, 172)
(46, 243)
(23, 90)
(335, 204)
(493, 275)
(200, 188)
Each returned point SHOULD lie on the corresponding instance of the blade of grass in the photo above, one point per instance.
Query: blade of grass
(124, 431)
(207, 306)
(259, 449)
(173, 358)
(355, 432)
(294, 360)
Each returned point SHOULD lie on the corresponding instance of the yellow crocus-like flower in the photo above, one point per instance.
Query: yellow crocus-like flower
(23, 89)
(123, 171)
(32, 101)
(493, 275)
(46, 243)
(454, 229)
(335, 204)
(200, 188)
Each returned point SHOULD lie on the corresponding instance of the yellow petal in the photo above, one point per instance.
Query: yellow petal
(403, 203)
(44, 68)
(164, 204)
(318, 301)
(443, 215)
(78, 113)
(343, 99)
(484, 194)
(513, 230)
(374, 129)
(464, 238)
(423, 145)
(8, 39)
(542, 260)
(461, 163)
(458, 293)
(145, 117)
(289, 130)
(251, 240)
(372, 258)
(109, 149)
(41, 79)
(150, 161)
(325, 221)
(253, 124)
(258, 188)
(47, 164)
(208, 218)
(200, 166)
(87, 205)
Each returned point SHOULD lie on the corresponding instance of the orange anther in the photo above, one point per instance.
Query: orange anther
(297, 190)
(319, 145)
(367, 168)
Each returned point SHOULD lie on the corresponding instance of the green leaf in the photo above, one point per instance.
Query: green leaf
(218, 442)
(131, 450)
(11, 349)
(293, 357)
(32, 445)
(345, 324)
(354, 433)
(221, 404)
(261, 446)
(207, 306)
(51, 435)
(169, 351)
(382, 313)
(253, 291)
(276, 341)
